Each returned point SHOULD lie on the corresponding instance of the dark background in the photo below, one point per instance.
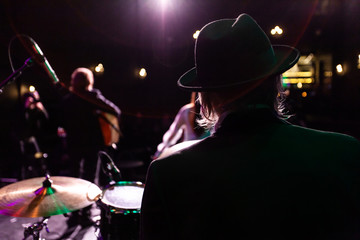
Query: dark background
(125, 35)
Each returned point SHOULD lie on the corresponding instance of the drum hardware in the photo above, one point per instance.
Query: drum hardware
(109, 167)
(35, 229)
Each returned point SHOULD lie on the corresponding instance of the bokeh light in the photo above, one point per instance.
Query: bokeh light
(276, 31)
(32, 88)
(99, 68)
(142, 73)
(196, 34)
(339, 68)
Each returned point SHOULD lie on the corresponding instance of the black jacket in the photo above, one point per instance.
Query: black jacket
(256, 177)
(80, 117)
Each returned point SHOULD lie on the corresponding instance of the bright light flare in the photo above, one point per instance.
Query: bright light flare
(32, 89)
(165, 6)
(164, 3)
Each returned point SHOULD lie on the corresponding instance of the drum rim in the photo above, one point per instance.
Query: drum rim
(114, 209)
(123, 183)
(128, 183)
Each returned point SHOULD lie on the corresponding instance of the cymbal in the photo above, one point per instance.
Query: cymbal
(44, 196)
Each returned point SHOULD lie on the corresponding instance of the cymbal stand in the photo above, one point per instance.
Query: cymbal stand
(34, 229)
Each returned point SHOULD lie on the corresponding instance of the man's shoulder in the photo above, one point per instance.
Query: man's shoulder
(321, 137)
(321, 133)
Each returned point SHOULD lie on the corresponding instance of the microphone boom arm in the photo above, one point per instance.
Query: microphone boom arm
(36, 56)
(28, 63)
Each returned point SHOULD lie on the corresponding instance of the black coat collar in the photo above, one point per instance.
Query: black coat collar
(248, 120)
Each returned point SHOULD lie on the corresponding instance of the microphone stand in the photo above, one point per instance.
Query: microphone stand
(28, 63)
(109, 167)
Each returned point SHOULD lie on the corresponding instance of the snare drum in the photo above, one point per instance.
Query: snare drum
(120, 211)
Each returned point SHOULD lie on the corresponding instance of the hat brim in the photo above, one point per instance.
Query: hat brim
(286, 57)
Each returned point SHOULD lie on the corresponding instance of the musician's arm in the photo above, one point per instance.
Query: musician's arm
(106, 104)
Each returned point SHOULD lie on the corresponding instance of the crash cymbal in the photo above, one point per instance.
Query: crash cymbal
(44, 196)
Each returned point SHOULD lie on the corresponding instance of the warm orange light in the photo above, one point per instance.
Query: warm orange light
(99, 68)
(142, 73)
(276, 30)
(339, 68)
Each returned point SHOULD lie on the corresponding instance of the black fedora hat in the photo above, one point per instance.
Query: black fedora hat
(231, 52)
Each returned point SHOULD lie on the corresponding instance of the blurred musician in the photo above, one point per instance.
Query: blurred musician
(84, 109)
(85, 112)
(183, 129)
(34, 135)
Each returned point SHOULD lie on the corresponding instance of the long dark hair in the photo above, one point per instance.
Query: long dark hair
(266, 91)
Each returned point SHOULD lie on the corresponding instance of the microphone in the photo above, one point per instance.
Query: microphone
(109, 166)
(40, 58)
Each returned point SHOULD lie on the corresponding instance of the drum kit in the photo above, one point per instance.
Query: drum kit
(43, 197)
(46, 196)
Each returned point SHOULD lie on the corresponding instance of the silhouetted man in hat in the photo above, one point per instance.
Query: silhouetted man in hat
(256, 176)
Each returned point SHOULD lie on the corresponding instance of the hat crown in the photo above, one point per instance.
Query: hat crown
(232, 51)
